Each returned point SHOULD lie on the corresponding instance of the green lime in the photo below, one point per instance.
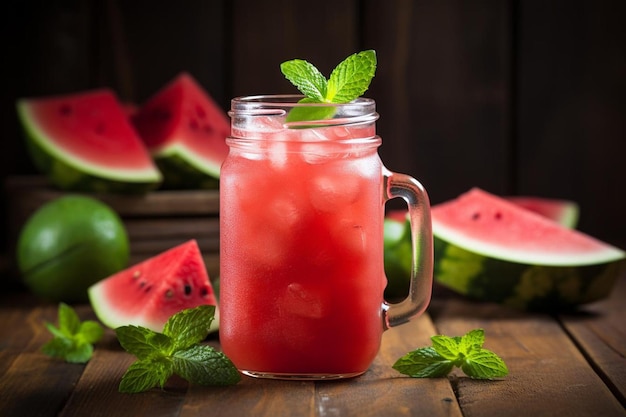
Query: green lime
(68, 244)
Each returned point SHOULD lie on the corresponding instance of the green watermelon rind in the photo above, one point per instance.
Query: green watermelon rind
(519, 285)
(72, 173)
(183, 170)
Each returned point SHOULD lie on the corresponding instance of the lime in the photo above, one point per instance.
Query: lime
(68, 244)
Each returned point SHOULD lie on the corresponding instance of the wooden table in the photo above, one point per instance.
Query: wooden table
(564, 365)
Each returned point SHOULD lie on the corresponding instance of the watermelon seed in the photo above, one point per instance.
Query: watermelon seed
(476, 216)
(160, 114)
(204, 291)
(193, 124)
(169, 294)
(200, 111)
(187, 289)
(498, 215)
(100, 128)
(136, 274)
(207, 128)
(147, 289)
(65, 109)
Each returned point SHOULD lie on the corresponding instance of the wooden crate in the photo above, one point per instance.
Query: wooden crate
(155, 221)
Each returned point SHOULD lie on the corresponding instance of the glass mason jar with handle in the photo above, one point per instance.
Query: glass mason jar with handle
(301, 240)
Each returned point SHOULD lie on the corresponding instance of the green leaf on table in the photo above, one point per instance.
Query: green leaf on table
(72, 340)
(446, 352)
(175, 351)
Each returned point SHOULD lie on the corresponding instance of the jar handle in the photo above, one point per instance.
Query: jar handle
(420, 288)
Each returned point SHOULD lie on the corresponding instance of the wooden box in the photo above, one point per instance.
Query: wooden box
(155, 221)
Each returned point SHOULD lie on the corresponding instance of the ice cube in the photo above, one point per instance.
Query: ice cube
(277, 153)
(305, 300)
(328, 192)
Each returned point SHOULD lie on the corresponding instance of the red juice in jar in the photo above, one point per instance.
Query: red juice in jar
(301, 248)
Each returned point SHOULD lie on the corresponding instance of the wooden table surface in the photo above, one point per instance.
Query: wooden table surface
(563, 365)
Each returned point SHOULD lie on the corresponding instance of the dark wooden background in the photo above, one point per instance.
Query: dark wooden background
(516, 97)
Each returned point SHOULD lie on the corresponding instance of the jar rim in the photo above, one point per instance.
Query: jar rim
(360, 110)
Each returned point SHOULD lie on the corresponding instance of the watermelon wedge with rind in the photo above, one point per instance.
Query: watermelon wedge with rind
(84, 142)
(490, 249)
(149, 293)
(490, 225)
(185, 131)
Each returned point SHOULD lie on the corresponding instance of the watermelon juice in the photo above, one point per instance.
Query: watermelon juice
(301, 250)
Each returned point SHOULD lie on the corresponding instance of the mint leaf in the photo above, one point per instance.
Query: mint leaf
(447, 352)
(472, 341)
(90, 331)
(143, 342)
(300, 114)
(69, 321)
(143, 375)
(306, 77)
(348, 81)
(205, 366)
(72, 340)
(423, 363)
(352, 77)
(175, 351)
(190, 326)
(484, 364)
(448, 347)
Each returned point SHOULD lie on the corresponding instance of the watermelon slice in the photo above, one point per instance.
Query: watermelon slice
(488, 248)
(398, 238)
(84, 142)
(186, 132)
(564, 212)
(148, 293)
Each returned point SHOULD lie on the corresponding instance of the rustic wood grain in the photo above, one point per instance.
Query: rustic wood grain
(600, 332)
(443, 91)
(548, 374)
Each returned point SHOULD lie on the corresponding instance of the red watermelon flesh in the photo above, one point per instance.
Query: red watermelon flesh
(148, 293)
(489, 225)
(182, 119)
(564, 212)
(90, 132)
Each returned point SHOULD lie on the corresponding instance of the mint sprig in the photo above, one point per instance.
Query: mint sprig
(73, 340)
(446, 352)
(348, 81)
(177, 350)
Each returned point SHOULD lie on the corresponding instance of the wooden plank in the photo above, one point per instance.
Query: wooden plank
(442, 91)
(548, 374)
(384, 391)
(96, 393)
(27, 193)
(167, 228)
(25, 389)
(262, 39)
(600, 332)
(572, 101)
(380, 391)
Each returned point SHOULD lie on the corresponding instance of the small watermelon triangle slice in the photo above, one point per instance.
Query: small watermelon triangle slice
(185, 131)
(148, 293)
